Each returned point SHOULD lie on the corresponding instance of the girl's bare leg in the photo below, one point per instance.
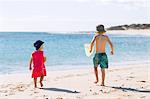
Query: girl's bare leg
(41, 79)
(35, 82)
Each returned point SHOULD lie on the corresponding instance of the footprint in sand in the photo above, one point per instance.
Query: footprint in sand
(68, 76)
(131, 73)
(124, 90)
(31, 94)
(36, 92)
(131, 77)
(3, 91)
(127, 95)
(6, 86)
(6, 95)
(20, 87)
(127, 79)
(143, 97)
(95, 93)
(59, 98)
(45, 95)
(107, 91)
(11, 93)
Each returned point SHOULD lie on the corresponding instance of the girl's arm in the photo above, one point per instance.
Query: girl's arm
(30, 65)
(44, 59)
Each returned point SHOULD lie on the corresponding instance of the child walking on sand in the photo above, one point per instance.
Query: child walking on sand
(38, 59)
(100, 57)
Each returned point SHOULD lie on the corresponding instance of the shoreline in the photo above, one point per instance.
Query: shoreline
(78, 67)
(140, 31)
(126, 82)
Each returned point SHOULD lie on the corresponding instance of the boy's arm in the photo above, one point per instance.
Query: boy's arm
(111, 45)
(30, 65)
(92, 43)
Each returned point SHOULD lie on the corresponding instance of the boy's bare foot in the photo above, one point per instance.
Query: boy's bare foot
(35, 86)
(96, 82)
(102, 84)
(41, 84)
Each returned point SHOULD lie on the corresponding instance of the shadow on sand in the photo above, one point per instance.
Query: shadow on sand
(129, 89)
(60, 90)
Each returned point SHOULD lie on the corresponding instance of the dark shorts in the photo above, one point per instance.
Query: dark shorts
(100, 59)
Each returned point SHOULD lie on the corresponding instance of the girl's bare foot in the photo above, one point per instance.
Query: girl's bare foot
(41, 84)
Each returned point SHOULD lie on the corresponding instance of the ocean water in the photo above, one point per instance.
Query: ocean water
(66, 51)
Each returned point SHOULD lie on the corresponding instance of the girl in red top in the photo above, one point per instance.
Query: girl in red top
(38, 61)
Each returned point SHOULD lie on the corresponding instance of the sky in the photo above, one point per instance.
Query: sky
(70, 15)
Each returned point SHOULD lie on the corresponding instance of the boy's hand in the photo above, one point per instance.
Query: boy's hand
(112, 53)
(90, 50)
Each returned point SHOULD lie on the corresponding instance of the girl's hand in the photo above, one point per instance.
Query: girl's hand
(30, 68)
(44, 59)
(30, 65)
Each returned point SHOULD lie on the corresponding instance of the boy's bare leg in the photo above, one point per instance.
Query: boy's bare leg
(96, 74)
(103, 77)
(41, 79)
(35, 82)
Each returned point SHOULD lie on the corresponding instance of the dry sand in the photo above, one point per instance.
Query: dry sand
(124, 82)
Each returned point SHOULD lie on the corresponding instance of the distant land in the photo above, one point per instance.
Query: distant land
(130, 27)
(136, 27)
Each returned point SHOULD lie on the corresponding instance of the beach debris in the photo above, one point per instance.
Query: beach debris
(142, 87)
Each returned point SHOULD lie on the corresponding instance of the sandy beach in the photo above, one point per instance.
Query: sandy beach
(124, 82)
(64, 39)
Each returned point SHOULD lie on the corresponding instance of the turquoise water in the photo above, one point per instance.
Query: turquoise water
(66, 51)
